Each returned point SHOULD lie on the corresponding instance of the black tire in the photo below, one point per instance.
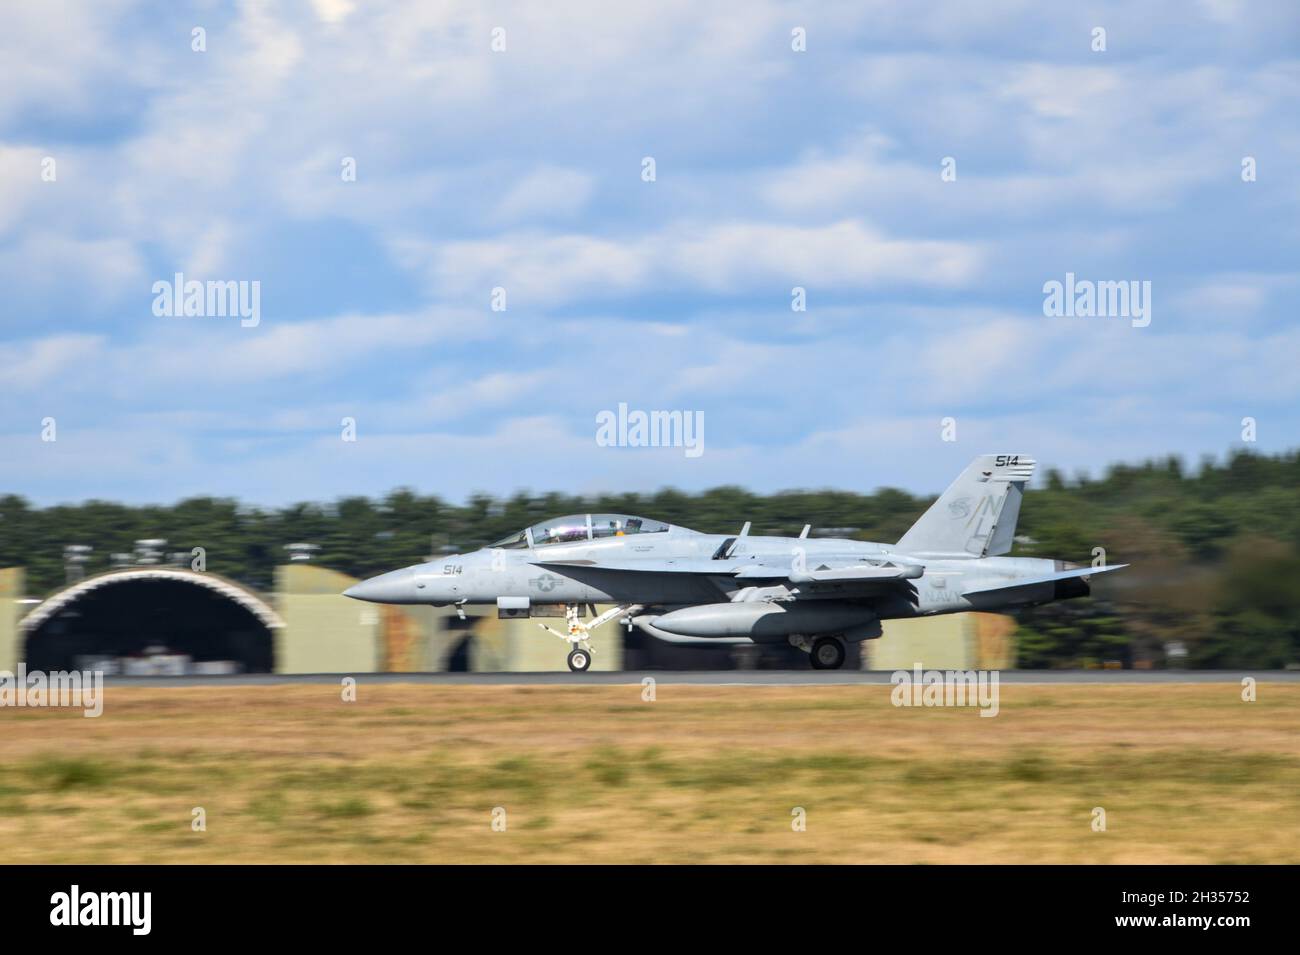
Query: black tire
(827, 653)
(579, 660)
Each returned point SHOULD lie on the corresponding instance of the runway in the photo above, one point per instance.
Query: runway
(707, 678)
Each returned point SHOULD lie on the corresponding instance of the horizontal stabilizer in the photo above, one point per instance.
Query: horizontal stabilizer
(1013, 583)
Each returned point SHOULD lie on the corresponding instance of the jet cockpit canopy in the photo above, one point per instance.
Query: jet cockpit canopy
(580, 527)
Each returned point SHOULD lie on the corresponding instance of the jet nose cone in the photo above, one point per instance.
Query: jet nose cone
(394, 587)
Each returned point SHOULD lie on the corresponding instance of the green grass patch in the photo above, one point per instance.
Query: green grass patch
(61, 775)
(353, 807)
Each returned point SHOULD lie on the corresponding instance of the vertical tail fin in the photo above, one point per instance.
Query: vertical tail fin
(976, 516)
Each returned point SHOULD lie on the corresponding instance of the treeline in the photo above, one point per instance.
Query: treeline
(1216, 552)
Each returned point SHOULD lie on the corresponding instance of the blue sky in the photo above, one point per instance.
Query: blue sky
(522, 169)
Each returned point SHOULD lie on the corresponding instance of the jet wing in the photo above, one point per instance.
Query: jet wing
(822, 573)
(659, 565)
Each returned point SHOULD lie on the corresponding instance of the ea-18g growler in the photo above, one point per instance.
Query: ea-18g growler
(818, 594)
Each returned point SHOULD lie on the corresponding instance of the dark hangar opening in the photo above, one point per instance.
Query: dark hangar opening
(135, 620)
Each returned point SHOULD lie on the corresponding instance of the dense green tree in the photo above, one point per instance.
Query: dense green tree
(1256, 619)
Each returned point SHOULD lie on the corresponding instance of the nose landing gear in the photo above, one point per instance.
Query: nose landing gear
(580, 656)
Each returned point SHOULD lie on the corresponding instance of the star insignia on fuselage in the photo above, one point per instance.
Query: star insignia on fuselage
(545, 583)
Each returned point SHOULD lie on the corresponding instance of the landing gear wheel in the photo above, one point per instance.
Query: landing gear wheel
(579, 660)
(827, 654)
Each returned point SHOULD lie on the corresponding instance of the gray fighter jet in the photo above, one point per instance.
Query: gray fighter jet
(817, 594)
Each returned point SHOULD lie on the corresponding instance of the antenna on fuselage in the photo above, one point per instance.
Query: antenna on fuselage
(727, 546)
(804, 533)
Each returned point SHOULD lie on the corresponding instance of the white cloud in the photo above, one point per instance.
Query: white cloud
(20, 181)
(549, 269)
(55, 53)
(1062, 92)
(42, 363)
(1230, 296)
(848, 254)
(173, 355)
(62, 269)
(545, 192)
(333, 11)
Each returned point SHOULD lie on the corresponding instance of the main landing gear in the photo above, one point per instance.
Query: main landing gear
(580, 655)
(824, 653)
(827, 653)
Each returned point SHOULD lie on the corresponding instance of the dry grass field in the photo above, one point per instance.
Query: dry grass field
(594, 774)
